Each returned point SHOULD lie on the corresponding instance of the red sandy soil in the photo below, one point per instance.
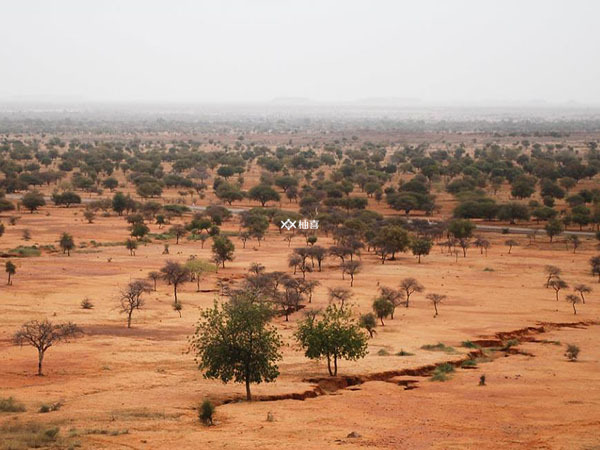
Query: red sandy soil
(142, 379)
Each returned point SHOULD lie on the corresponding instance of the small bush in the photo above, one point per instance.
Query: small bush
(403, 353)
(469, 363)
(11, 405)
(572, 352)
(45, 408)
(469, 344)
(488, 269)
(25, 252)
(206, 411)
(86, 303)
(383, 352)
(441, 372)
(510, 343)
(439, 347)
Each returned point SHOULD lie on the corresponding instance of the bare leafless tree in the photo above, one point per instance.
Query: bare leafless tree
(43, 335)
(131, 298)
(409, 286)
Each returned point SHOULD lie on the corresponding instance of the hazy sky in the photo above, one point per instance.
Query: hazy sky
(256, 50)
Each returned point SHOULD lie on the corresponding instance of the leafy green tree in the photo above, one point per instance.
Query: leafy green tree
(66, 243)
(139, 230)
(382, 308)
(234, 342)
(513, 212)
(263, 194)
(11, 270)
(222, 249)
(554, 227)
(389, 240)
(66, 198)
(421, 246)
(595, 266)
(368, 322)
(33, 200)
(131, 245)
(178, 231)
(175, 274)
(119, 203)
(333, 336)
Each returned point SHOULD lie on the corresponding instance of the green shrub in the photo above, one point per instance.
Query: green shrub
(439, 347)
(469, 344)
(206, 412)
(403, 353)
(572, 352)
(469, 363)
(11, 405)
(510, 343)
(441, 372)
(383, 352)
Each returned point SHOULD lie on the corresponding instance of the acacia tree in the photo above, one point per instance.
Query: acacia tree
(178, 231)
(382, 308)
(368, 322)
(131, 245)
(333, 336)
(595, 266)
(582, 289)
(175, 274)
(351, 268)
(573, 300)
(11, 269)
(462, 230)
(154, 276)
(409, 286)
(554, 227)
(421, 247)
(234, 342)
(557, 284)
(551, 273)
(510, 244)
(435, 299)
(339, 294)
(131, 298)
(43, 335)
(394, 296)
(66, 243)
(222, 249)
(197, 269)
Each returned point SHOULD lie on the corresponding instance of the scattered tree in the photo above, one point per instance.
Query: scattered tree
(333, 336)
(43, 335)
(131, 298)
(234, 341)
(435, 299)
(11, 270)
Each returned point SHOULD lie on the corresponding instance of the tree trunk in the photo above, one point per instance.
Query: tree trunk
(175, 292)
(8, 279)
(436, 311)
(574, 310)
(248, 393)
(40, 360)
(334, 365)
(129, 318)
(329, 365)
